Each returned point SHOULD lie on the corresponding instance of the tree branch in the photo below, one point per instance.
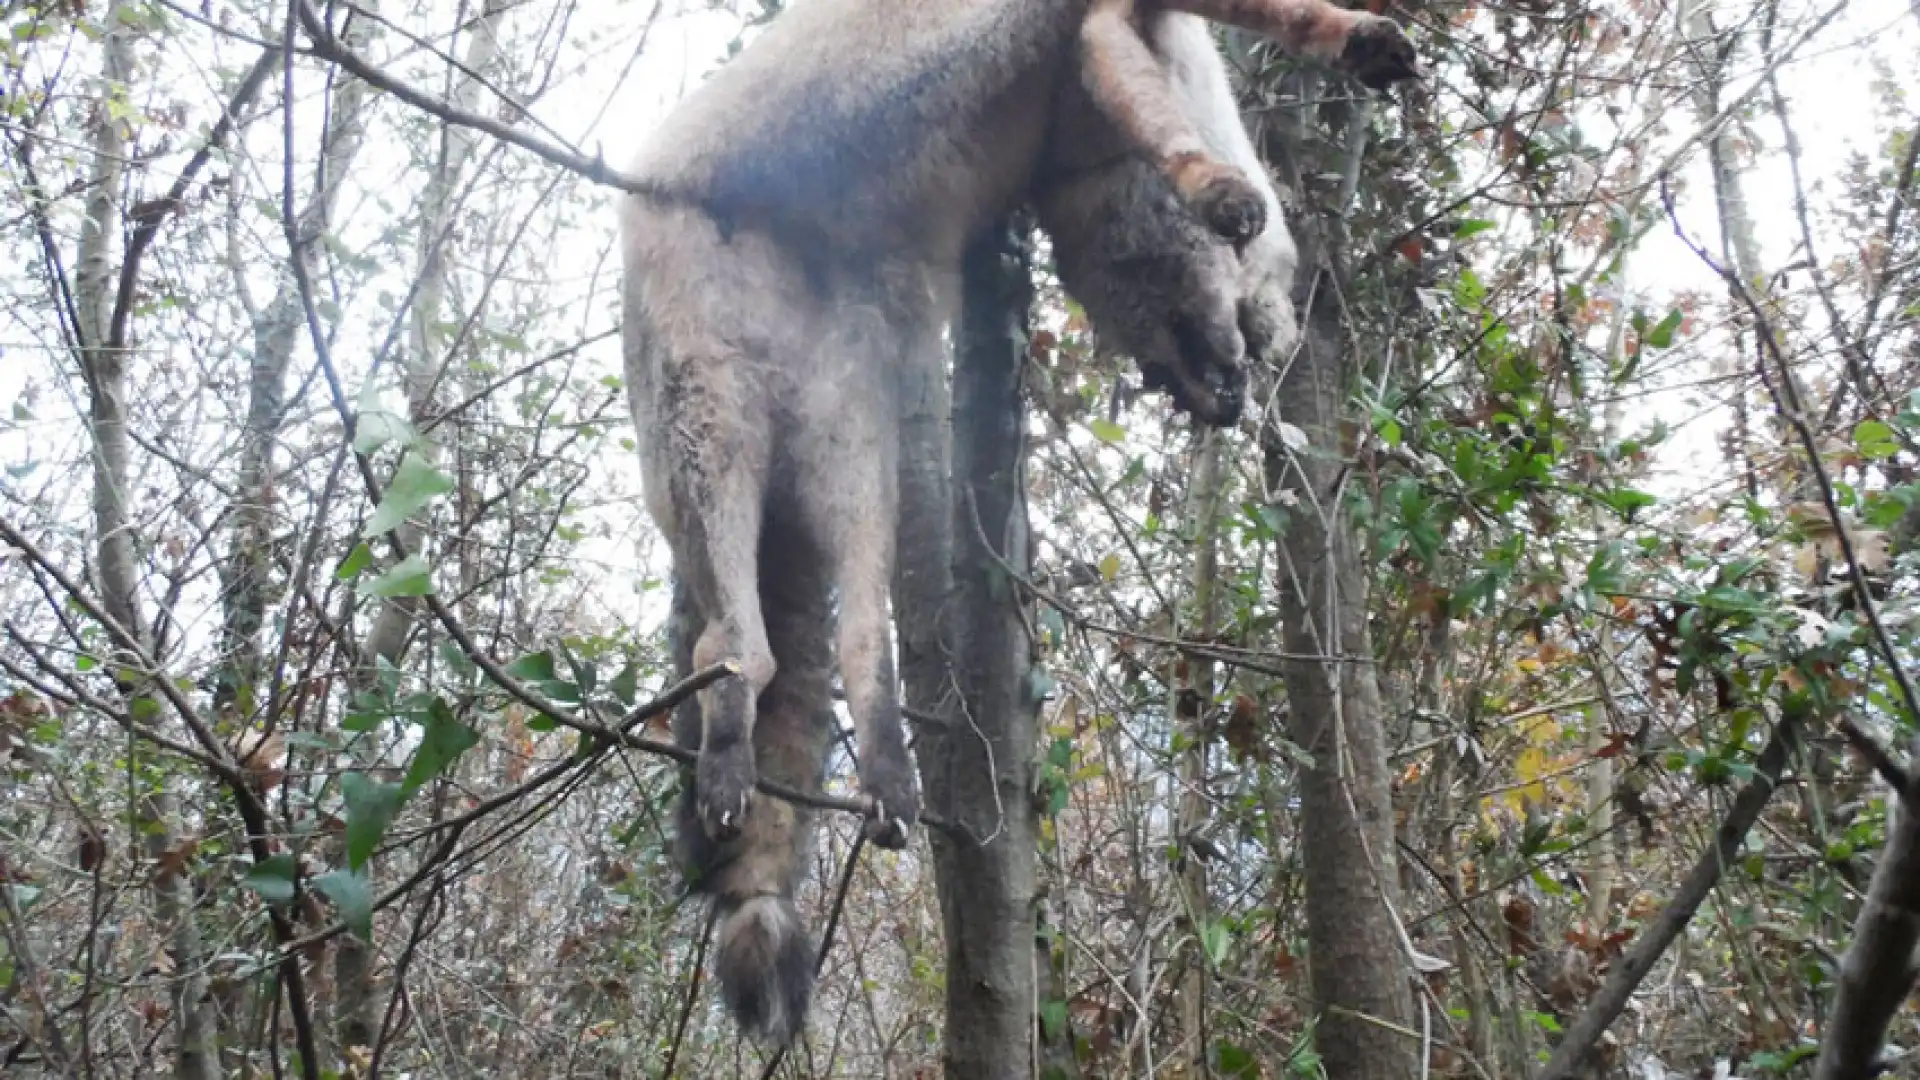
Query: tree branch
(1625, 978)
(328, 47)
(150, 215)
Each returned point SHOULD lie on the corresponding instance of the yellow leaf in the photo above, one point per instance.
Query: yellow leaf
(1110, 566)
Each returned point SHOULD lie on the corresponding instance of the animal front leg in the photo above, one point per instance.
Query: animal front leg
(866, 666)
(851, 494)
(1371, 48)
(1129, 85)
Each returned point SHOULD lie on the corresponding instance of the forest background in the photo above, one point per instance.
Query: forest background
(1527, 657)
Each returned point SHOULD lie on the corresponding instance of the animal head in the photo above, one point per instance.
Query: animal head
(1160, 286)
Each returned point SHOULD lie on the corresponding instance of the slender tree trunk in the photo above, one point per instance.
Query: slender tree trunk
(1357, 959)
(248, 576)
(1879, 968)
(965, 656)
(116, 556)
(1192, 702)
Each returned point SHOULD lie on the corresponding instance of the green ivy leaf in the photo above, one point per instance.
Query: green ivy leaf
(273, 879)
(352, 896)
(415, 484)
(410, 576)
(456, 660)
(371, 806)
(357, 560)
(442, 744)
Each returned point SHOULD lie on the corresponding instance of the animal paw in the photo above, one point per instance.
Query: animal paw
(723, 786)
(1229, 204)
(1379, 54)
(892, 806)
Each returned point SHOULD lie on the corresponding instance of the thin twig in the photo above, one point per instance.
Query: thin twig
(693, 994)
(328, 47)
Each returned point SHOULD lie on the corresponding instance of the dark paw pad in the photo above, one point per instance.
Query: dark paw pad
(723, 784)
(1379, 54)
(1232, 207)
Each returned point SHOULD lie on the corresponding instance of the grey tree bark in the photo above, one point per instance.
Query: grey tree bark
(965, 660)
(1192, 707)
(103, 361)
(1879, 968)
(1357, 959)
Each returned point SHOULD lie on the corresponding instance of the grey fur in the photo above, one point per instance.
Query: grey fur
(1157, 284)
(763, 960)
(827, 181)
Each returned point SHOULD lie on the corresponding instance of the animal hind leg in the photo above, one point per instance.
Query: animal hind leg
(719, 484)
(1130, 87)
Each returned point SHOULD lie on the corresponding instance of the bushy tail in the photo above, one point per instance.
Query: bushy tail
(764, 963)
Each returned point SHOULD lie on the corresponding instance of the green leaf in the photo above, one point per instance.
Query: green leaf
(357, 560)
(1471, 227)
(626, 684)
(456, 660)
(1214, 938)
(352, 896)
(374, 426)
(273, 879)
(1660, 335)
(414, 485)
(533, 667)
(371, 806)
(1874, 440)
(1107, 431)
(1053, 1019)
(444, 741)
(1232, 1061)
(410, 576)
(83, 662)
(1625, 500)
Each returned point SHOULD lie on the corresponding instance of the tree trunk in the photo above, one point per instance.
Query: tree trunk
(1192, 702)
(1357, 960)
(965, 657)
(116, 557)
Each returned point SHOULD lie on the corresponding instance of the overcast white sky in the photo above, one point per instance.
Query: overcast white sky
(1829, 85)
